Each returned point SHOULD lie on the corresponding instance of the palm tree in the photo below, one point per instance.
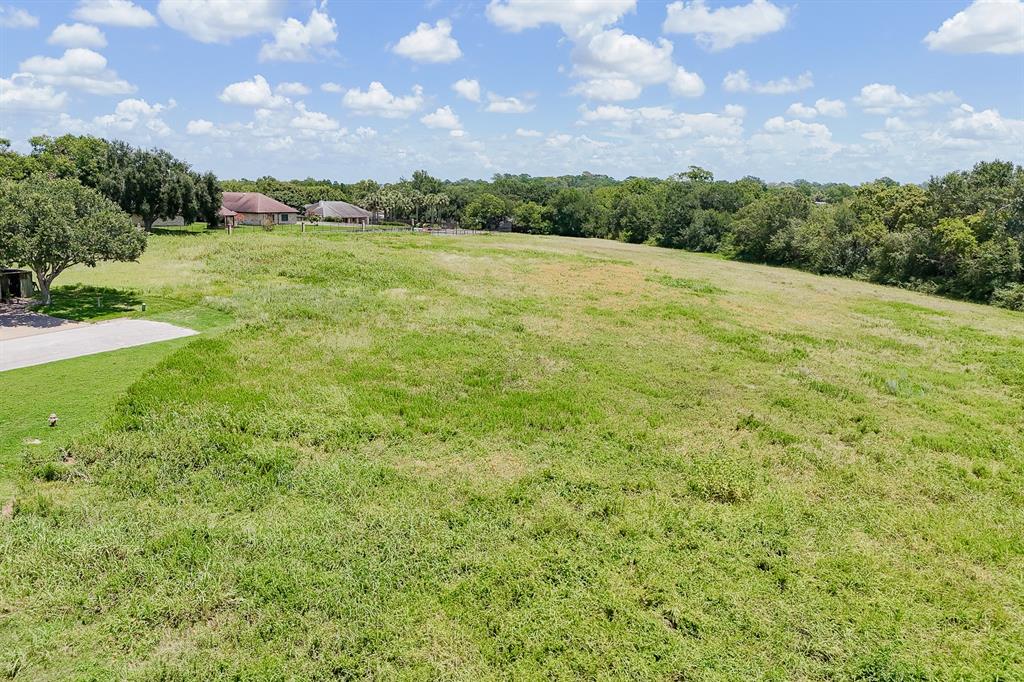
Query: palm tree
(437, 201)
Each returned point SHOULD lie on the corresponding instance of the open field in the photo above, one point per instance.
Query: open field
(405, 456)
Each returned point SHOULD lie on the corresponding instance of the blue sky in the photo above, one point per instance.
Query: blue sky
(844, 91)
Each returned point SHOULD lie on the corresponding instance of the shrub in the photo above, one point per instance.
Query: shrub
(1011, 296)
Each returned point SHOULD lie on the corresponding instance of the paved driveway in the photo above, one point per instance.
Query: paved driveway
(16, 322)
(62, 344)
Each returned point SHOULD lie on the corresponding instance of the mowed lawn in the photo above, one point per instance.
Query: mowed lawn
(514, 457)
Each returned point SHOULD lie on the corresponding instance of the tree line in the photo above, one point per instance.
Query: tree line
(147, 183)
(960, 234)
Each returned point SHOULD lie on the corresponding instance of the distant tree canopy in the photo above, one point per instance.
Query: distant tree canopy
(50, 224)
(150, 184)
(960, 234)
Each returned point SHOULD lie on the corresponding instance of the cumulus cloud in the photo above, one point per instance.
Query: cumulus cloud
(15, 17)
(295, 41)
(686, 84)
(506, 105)
(739, 81)
(444, 117)
(201, 126)
(77, 35)
(293, 88)
(526, 132)
(331, 87)
(21, 92)
(575, 17)
(377, 101)
(666, 124)
(220, 21)
(254, 93)
(794, 137)
(113, 12)
(618, 65)
(987, 124)
(995, 26)
(132, 114)
(608, 89)
(878, 98)
(824, 107)
(724, 27)
(467, 89)
(430, 44)
(78, 68)
(312, 120)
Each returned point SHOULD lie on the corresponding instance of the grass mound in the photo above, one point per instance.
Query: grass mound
(423, 457)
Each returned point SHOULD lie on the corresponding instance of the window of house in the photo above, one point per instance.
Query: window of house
(284, 217)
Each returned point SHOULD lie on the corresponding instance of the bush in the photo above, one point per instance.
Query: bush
(1010, 296)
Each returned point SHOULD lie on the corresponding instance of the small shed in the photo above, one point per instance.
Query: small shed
(15, 284)
(227, 217)
(339, 212)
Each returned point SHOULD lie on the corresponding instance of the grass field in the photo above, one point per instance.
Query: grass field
(514, 457)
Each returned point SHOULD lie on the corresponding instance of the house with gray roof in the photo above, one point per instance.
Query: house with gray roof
(339, 212)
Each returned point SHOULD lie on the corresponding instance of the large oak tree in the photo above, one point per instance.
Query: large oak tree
(49, 225)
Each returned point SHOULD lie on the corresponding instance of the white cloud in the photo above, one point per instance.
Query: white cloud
(331, 87)
(798, 110)
(506, 105)
(575, 17)
(201, 126)
(431, 44)
(617, 66)
(255, 93)
(877, 98)
(77, 68)
(444, 117)
(298, 42)
(615, 54)
(686, 84)
(21, 92)
(608, 89)
(132, 114)
(739, 81)
(312, 120)
(895, 124)
(377, 101)
(825, 107)
(457, 133)
(365, 132)
(988, 124)
(734, 110)
(15, 17)
(220, 21)
(665, 124)
(467, 89)
(526, 132)
(292, 88)
(995, 26)
(77, 35)
(794, 137)
(830, 107)
(558, 140)
(114, 13)
(724, 27)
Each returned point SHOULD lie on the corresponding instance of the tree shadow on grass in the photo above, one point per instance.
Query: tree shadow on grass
(81, 303)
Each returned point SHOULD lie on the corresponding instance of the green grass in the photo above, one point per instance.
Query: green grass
(489, 457)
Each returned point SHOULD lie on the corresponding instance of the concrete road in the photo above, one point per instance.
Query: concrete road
(62, 344)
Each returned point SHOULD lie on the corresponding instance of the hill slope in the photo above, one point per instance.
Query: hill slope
(520, 456)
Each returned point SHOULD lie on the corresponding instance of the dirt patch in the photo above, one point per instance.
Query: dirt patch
(17, 320)
(495, 465)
